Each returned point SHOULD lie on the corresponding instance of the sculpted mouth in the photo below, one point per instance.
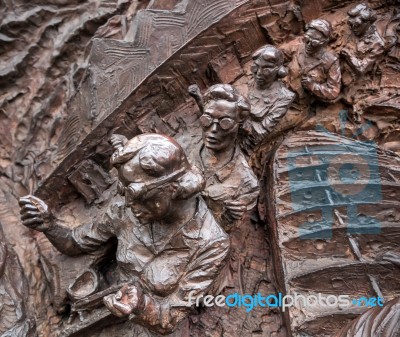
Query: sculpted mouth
(212, 140)
(309, 48)
(139, 214)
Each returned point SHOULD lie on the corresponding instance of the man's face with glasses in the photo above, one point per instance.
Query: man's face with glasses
(314, 41)
(220, 125)
(358, 24)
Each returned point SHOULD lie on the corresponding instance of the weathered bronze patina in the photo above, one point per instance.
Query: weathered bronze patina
(169, 244)
(292, 120)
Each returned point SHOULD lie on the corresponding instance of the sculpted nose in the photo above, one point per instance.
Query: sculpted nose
(214, 127)
(357, 22)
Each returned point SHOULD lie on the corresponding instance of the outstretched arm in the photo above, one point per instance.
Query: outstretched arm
(85, 238)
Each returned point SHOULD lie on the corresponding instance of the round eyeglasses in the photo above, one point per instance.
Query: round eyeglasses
(225, 123)
(313, 42)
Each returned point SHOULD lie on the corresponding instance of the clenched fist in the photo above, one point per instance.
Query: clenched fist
(35, 213)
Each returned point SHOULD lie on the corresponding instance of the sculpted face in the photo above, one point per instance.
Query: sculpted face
(358, 24)
(154, 205)
(265, 69)
(148, 198)
(314, 41)
(220, 125)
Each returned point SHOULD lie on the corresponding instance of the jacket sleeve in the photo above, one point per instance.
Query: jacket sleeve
(329, 90)
(82, 239)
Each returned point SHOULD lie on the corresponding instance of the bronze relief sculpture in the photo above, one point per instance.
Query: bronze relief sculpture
(269, 97)
(365, 47)
(168, 241)
(362, 56)
(314, 70)
(13, 287)
(231, 191)
(153, 229)
(231, 187)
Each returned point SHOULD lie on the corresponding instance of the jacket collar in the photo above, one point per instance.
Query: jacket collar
(225, 171)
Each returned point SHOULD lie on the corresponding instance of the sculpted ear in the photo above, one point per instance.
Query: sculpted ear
(282, 72)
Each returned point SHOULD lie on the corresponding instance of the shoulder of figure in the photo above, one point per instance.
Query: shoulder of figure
(247, 179)
(286, 94)
(331, 56)
(241, 166)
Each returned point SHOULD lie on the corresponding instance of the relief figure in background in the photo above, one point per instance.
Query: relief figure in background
(269, 97)
(231, 192)
(362, 55)
(169, 244)
(231, 186)
(314, 72)
(365, 47)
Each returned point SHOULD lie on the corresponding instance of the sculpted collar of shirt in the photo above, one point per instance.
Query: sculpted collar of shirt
(307, 63)
(222, 173)
(173, 238)
(233, 181)
(263, 100)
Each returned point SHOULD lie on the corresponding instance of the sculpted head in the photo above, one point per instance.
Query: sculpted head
(153, 173)
(267, 66)
(361, 18)
(317, 36)
(225, 110)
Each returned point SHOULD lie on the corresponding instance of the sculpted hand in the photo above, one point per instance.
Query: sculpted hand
(194, 90)
(125, 301)
(307, 82)
(35, 213)
(235, 209)
(118, 141)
